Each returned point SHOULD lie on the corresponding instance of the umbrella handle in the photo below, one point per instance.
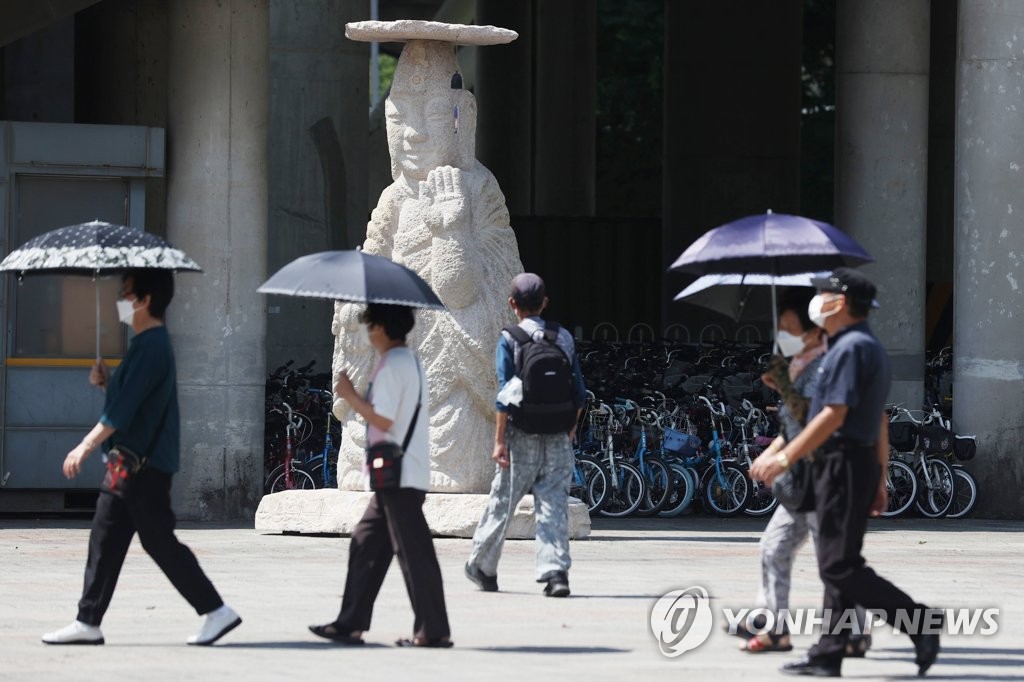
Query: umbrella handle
(96, 281)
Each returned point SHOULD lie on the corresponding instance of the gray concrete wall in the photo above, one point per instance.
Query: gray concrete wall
(882, 60)
(989, 202)
(217, 212)
(39, 75)
(317, 159)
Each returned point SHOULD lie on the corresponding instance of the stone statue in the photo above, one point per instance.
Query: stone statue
(445, 218)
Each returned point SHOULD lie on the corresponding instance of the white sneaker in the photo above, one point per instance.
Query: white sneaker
(76, 633)
(218, 623)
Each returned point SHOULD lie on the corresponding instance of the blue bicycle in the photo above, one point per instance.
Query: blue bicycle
(725, 484)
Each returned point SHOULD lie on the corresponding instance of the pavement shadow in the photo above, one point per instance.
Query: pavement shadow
(307, 646)
(962, 656)
(645, 538)
(559, 650)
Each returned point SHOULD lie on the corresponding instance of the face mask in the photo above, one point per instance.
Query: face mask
(125, 310)
(789, 344)
(815, 306)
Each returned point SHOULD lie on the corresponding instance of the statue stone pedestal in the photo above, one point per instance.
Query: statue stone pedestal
(334, 511)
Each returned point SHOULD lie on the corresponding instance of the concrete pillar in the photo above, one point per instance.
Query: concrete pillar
(988, 277)
(731, 136)
(317, 159)
(217, 212)
(564, 108)
(504, 94)
(882, 167)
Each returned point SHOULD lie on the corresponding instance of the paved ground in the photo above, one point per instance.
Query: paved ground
(280, 584)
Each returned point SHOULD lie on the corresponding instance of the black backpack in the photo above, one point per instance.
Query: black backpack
(546, 373)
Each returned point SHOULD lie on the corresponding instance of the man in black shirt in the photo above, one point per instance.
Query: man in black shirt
(847, 433)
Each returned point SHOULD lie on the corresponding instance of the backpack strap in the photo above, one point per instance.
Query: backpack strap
(551, 330)
(518, 334)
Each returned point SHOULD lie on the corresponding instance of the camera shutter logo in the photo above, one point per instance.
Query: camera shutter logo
(681, 620)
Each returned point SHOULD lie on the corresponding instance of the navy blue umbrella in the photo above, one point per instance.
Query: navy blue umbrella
(771, 244)
(352, 276)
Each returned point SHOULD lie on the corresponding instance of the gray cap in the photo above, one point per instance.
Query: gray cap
(528, 290)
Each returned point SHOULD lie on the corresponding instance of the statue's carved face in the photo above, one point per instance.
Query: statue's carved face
(421, 132)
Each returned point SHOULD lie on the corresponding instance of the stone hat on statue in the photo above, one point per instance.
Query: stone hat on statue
(429, 62)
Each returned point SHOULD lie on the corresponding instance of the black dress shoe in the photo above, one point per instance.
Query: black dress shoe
(927, 648)
(814, 667)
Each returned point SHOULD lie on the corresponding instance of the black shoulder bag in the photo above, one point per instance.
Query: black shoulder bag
(123, 464)
(384, 459)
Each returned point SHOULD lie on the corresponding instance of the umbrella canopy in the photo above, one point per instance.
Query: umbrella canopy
(774, 244)
(352, 276)
(741, 297)
(95, 248)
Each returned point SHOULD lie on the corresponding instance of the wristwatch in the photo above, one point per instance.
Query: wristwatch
(782, 459)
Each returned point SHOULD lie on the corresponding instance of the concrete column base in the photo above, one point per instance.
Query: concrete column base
(448, 514)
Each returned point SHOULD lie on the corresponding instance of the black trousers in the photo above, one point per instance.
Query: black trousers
(146, 510)
(393, 525)
(845, 485)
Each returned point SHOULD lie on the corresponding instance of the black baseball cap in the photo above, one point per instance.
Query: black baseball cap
(849, 282)
(528, 291)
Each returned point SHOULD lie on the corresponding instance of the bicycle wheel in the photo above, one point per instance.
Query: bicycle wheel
(901, 484)
(935, 498)
(761, 502)
(728, 492)
(268, 482)
(966, 493)
(302, 479)
(625, 492)
(590, 483)
(682, 492)
(316, 469)
(658, 478)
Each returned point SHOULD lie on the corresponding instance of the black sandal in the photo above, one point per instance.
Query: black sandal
(426, 644)
(756, 645)
(335, 633)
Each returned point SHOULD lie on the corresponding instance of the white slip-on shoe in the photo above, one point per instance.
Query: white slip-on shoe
(76, 633)
(218, 623)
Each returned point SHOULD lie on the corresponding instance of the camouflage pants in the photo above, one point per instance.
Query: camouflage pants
(542, 463)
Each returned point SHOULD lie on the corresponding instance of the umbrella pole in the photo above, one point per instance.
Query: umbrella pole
(96, 281)
(775, 323)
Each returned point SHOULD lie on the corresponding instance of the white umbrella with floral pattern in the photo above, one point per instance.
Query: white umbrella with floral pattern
(93, 249)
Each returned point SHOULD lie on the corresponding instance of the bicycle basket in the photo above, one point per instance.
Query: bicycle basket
(936, 439)
(680, 442)
(965, 447)
(902, 436)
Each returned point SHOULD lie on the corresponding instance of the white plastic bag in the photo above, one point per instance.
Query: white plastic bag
(512, 392)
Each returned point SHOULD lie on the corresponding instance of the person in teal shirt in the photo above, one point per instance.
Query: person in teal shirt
(140, 413)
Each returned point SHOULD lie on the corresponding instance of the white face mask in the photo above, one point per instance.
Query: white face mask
(815, 306)
(789, 344)
(125, 310)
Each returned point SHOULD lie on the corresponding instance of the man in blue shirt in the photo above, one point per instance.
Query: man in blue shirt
(847, 433)
(140, 414)
(541, 462)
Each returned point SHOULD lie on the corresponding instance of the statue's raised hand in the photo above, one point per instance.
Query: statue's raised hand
(445, 190)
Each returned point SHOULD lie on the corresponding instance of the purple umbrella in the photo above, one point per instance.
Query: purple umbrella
(771, 244)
